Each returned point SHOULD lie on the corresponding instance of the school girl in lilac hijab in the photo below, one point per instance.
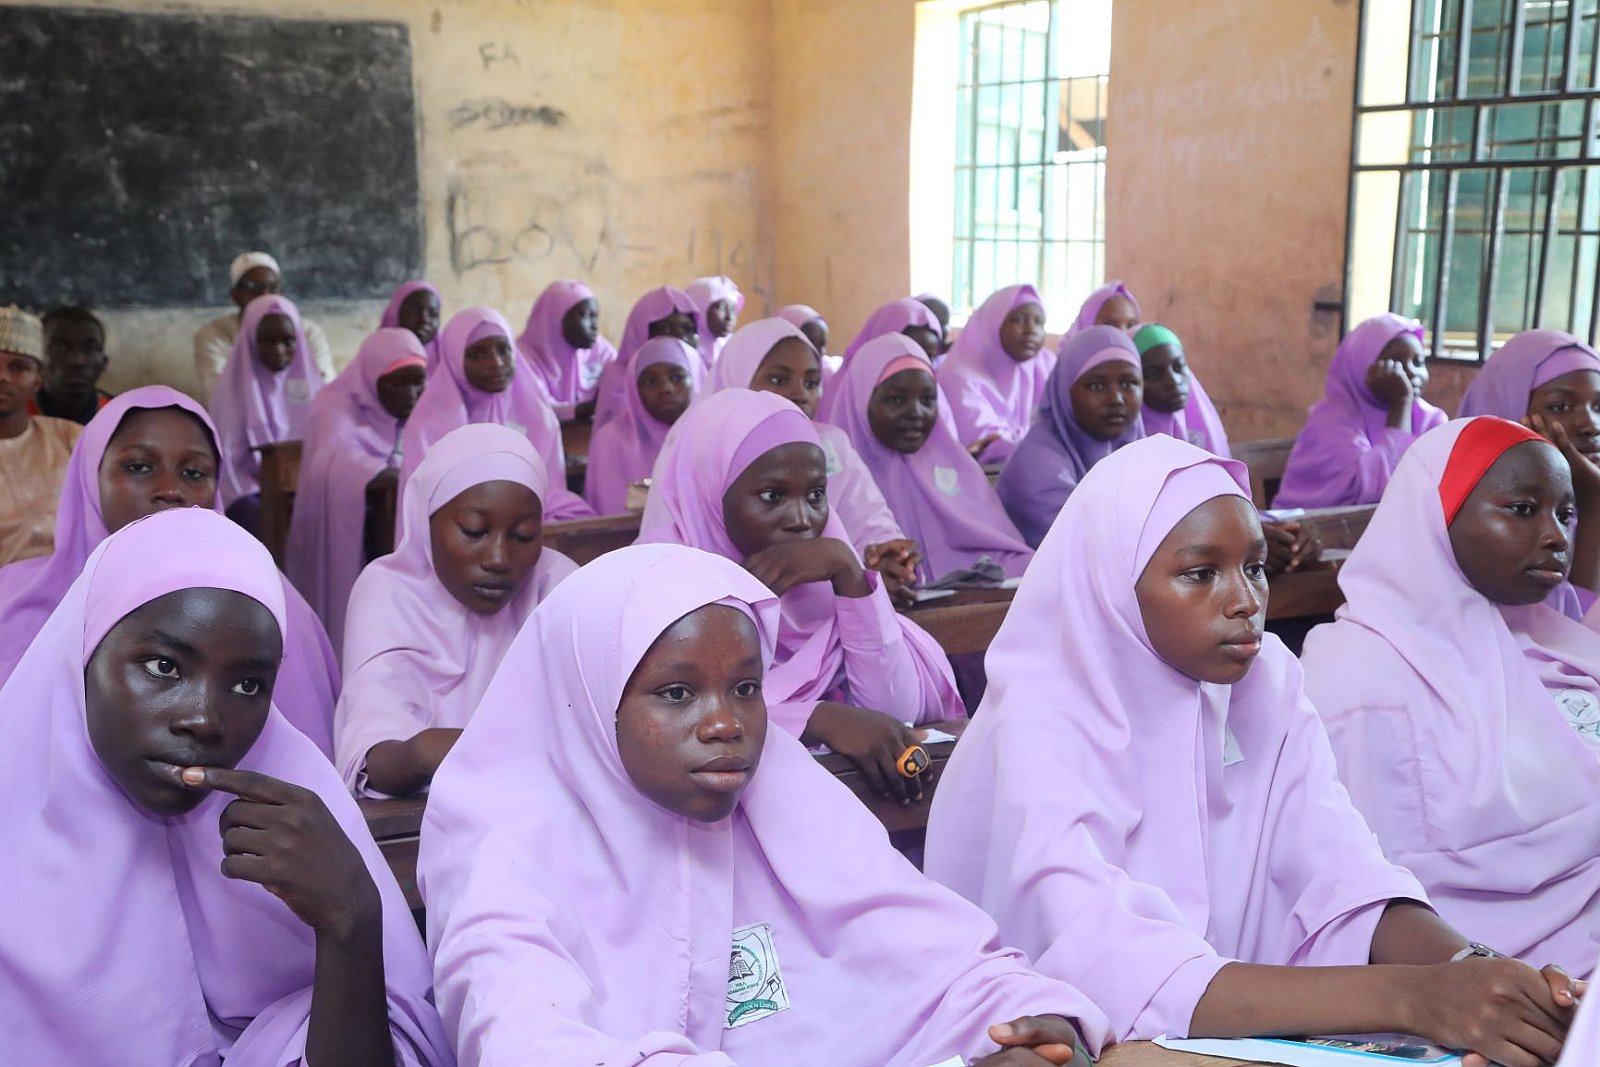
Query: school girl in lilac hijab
(1352, 439)
(614, 947)
(706, 292)
(851, 491)
(134, 931)
(350, 439)
(1122, 315)
(308, 683)
(1058, 450)
(656, 305)
(623, 450)
(853, 650)
(1468, 730)
(994, 389)
(1145, 834)
(569, 374)
(415, 657)
(424, 326)
(938, 493)
(450, 400)
(255, 404)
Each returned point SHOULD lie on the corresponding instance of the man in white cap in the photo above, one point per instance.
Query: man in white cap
(34, 449)
(253, 274)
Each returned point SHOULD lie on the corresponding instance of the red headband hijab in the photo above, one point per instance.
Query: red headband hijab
(1484, 440)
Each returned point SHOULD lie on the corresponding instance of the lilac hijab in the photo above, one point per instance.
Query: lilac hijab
(121, 940)
(705, 292)
(253, 406)
(614, 947)
(624, 450)
(1439, 704)
(1089, 313)
(653, 306)
(798, 315)
(349, 439)
(414, 657)
(570, 376)
(939, 494)
(1056, 453)
(709, 448)
(989, 391)
(30, 590)
(450, 401)
(1346, 453)
(852, 493)
(1198, 823)
(391, 314)
(893, 317)
(1198, 422)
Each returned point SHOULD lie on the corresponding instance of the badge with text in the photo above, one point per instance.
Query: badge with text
(755, 984)
(1582, 711)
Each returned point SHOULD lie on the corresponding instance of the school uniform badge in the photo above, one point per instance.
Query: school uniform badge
(755, 983)
(297, 390)
(946, 480)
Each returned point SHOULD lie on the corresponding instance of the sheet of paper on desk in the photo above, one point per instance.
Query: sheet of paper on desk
(925, 595)
(931, 736)
(1372, 1050)
(953, 1061)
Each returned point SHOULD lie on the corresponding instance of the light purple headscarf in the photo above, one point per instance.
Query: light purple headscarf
(939, 494)
(349, 439)
(308, 683)
(653, 306)
(391, 314)
(1090, 311)
(449, 401)
(569, 376)
(853, 649)
(989, 391)
(414, 656)
(705, 292)
(1346, 453)
(852, 493)
(1056, 453)
(253, 406)
(1102, 797)
(798, 315)
(1440, 705)
(614, 947)
(121, 940)
(624, 450)
(893, 317)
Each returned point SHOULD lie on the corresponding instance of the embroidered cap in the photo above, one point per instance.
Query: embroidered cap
(21, 333)
(249, 261)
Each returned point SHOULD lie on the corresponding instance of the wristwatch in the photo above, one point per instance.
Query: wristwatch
(1475, 949)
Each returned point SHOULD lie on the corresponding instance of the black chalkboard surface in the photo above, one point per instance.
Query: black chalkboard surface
(139, 153)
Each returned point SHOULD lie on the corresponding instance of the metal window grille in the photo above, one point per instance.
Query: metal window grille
(1030, 149)
(1492, 162)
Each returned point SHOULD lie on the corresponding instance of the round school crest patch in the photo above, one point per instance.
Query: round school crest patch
(946, 480)
(297, 390)
(755, 984)
(1581, 709)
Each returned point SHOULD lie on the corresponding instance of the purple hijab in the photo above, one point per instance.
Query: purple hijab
(624, 450)
(570, 376)
(1441, 708)
(414, 657)
(613, 948)
(852, 493)
(30, 590)
(705, 292)
(893, 317)
(391, 314)
(1090, 311)
(1056, 453)
(1103, 798)
(349, 439)
(121, 939)
(653, 306)
(989, 391)
(939, 494)
(450, 401)
(253, 406)
(852, 649)
(1346, 453)
(798, 315)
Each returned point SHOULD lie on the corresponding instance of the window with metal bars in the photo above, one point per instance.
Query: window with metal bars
(1030, 149)
(1475, 184)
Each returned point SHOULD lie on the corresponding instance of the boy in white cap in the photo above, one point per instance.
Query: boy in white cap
(34, 449)
(252, 274)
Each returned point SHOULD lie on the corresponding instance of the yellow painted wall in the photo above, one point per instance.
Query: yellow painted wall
(654, 174)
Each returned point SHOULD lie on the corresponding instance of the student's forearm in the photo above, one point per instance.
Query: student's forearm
(400, 768)
(1250, 1000)
(1414, 934)
(349, 1006)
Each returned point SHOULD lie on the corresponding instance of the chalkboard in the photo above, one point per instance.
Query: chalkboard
(139, 153)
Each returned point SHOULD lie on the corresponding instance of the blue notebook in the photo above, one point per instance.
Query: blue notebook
(1370, 1050)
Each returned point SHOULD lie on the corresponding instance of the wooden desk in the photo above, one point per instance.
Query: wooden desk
(378, 530)
(585, 540)
(965, 622)
(280, 475)
(1266, 460)
(1339, 528)
(1145, 1054)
